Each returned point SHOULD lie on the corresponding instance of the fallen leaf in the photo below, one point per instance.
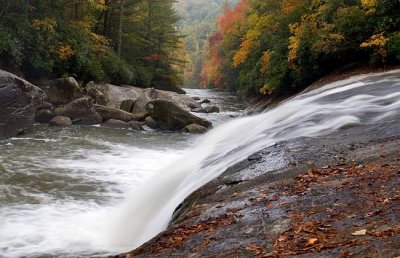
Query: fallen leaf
(361, 232)
(312, 241)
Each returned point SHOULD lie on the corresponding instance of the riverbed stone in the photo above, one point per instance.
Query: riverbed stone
(113, 113)
(81, 111)
(64, 90)
(195, 129)
(136, 125)
(117, 124)
(97, 96)
(211, 109)
(19, 101)
(127, 105)
(150, 122)
(60, 121)
(171, 117)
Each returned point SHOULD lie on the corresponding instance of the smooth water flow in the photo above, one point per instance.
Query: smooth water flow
(360, 100)
(90, 227)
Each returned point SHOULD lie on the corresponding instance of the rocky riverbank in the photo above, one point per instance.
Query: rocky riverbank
(331, 196)
(64, 102)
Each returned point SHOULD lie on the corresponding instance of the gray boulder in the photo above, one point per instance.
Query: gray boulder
(139, 110)
(108, 113)
(19, 101)
(150, 122)
(171, 117)
(63, 91)
(117, 124)
(127, 105)
(136, 125)
(60, 121)
(81, 111)
(44, 115)
(195, 129)
(211, 109)
(97, 96)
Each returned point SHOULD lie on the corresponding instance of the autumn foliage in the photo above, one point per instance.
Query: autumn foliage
(272, 47)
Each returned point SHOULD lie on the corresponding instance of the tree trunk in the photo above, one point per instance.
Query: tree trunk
(120, 29)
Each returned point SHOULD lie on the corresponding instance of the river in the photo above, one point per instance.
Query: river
(91, 192)
(59, 187)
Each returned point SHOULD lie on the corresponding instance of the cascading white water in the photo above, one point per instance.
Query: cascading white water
(62, 189)
(362, 99)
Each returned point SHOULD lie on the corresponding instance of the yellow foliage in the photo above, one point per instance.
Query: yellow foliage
(294, 44)
(65, 52)
(379, 43)
(370, 5)
(252, 39)
(46, 25)
(266, 90)
(100, 44)
(265, 62)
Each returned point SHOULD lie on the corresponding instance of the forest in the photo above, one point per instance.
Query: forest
(119, 41)
(272, 47)
(197, 23)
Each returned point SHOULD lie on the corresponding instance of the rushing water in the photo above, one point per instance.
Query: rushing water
(90, 191)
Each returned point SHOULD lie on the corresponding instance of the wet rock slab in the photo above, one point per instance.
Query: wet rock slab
(336, 196)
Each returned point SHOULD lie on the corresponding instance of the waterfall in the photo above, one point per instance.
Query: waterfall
(358, 100)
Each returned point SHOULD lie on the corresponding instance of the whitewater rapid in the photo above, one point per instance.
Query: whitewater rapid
(149, 183)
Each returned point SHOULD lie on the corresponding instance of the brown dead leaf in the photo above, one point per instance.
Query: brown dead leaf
(361, 232)
(312, 241)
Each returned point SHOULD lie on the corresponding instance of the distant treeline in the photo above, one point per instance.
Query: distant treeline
(274, 46)
(121, 41)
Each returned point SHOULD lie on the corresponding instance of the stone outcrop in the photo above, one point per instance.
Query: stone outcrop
(19, 101)
(172, 117)
(63, 91)
(81, 111)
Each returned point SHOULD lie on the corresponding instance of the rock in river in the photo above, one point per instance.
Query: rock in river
(117, 124)
(63, 91)
(113, 113)
(172, 117)
(195, 129)
(81, 111)
(60, 121)
(19, 101)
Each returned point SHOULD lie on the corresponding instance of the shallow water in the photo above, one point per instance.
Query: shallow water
(59, 186)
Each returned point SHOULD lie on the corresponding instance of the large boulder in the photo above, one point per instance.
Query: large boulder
(160, 85)
(97, 96)
(19, 101)
(44, 115)
(60, 121)
(108, 113)
(172, 117)
(139, 109)
(63, 91)
(81, 111)
(115, 95)
(127, 105)
(183, 101)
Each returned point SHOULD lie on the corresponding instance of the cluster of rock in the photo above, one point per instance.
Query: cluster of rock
(120, 107)
(65, 103)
